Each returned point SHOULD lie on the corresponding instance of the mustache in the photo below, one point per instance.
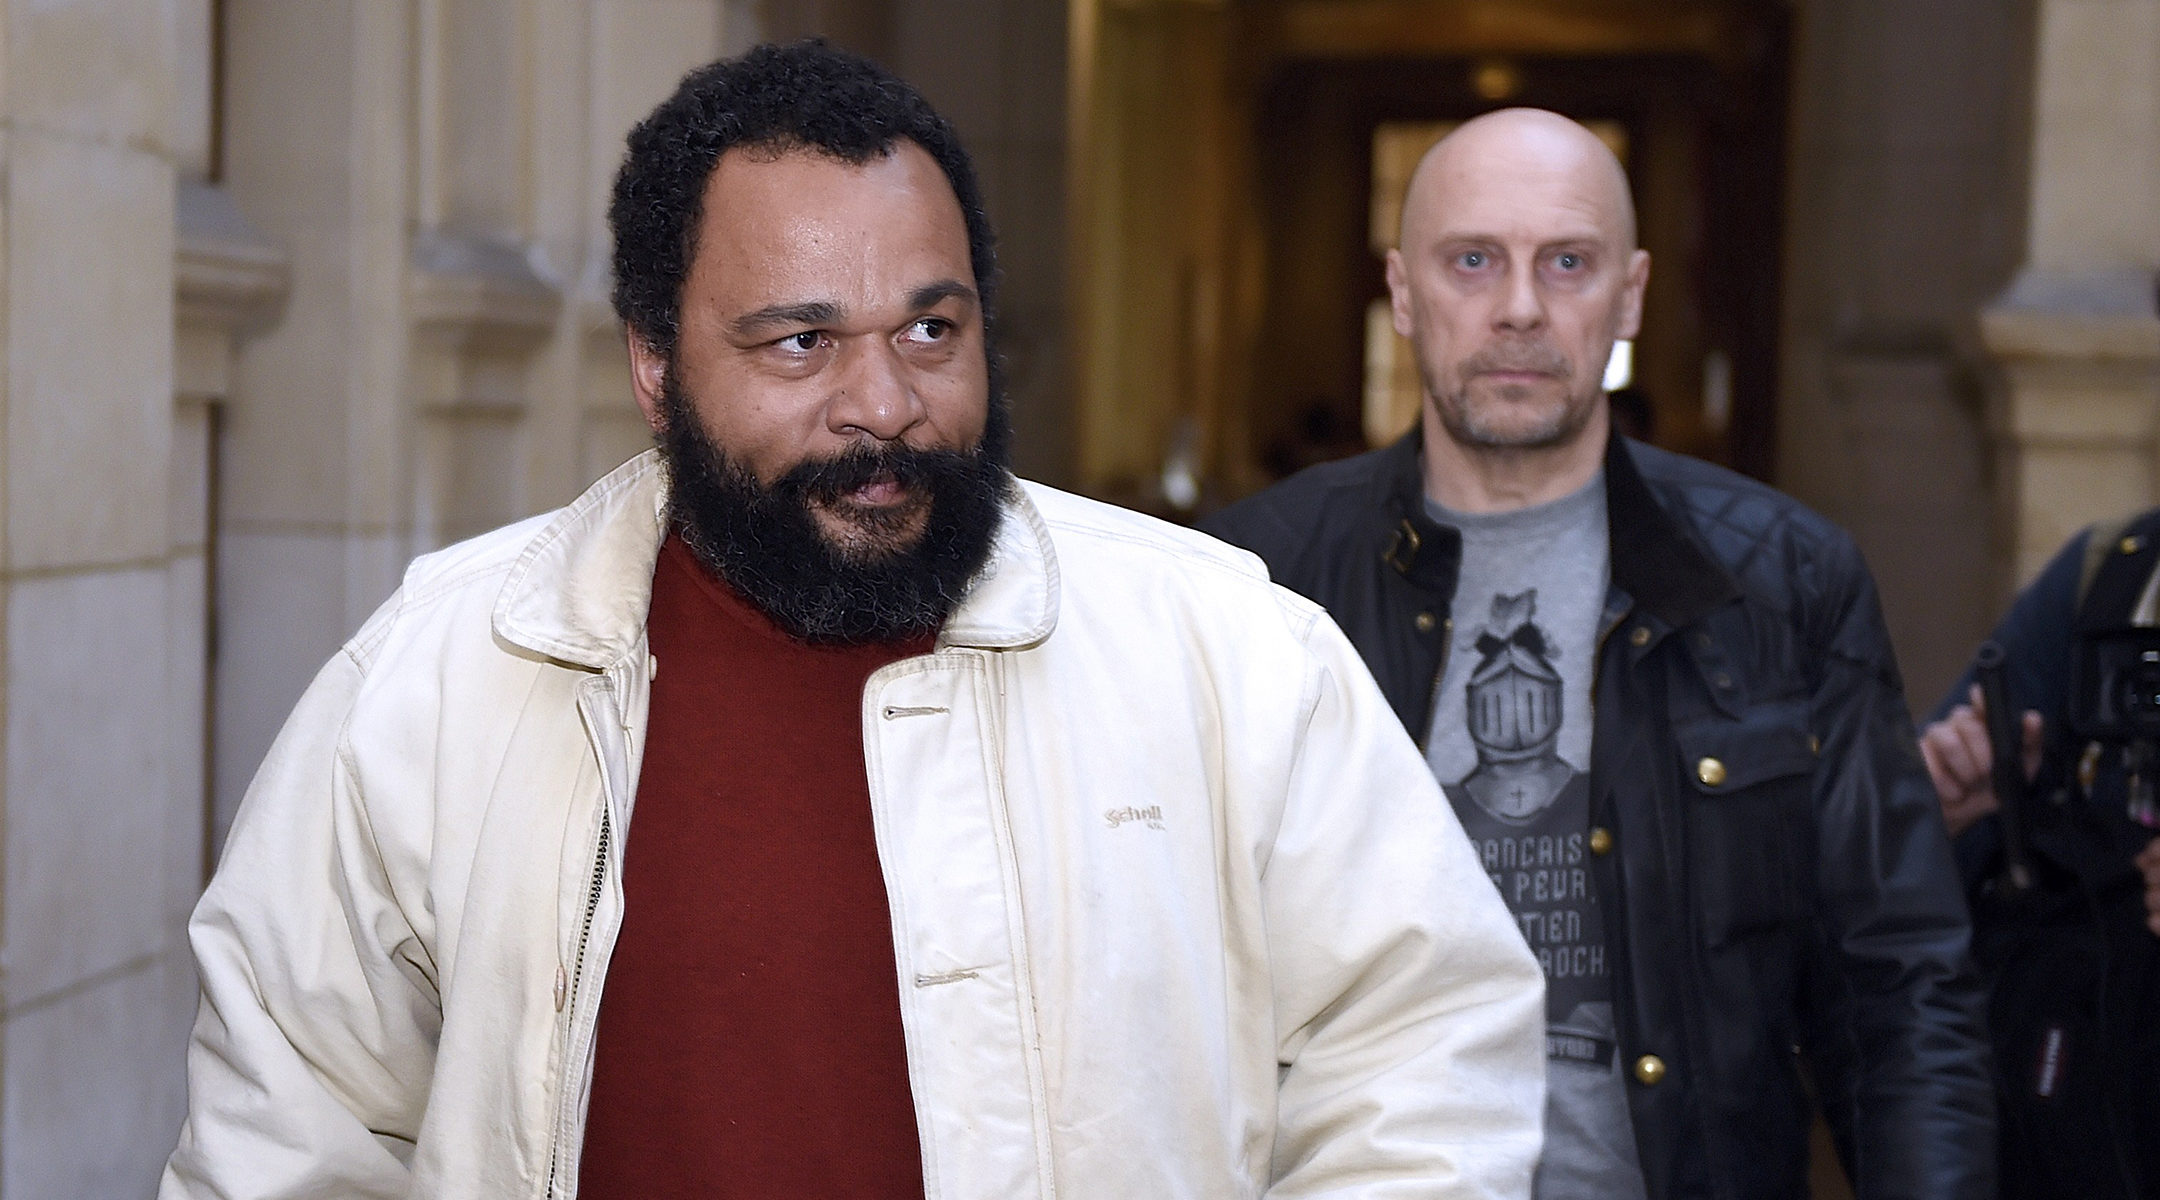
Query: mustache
(827, 480)
(1534, 357)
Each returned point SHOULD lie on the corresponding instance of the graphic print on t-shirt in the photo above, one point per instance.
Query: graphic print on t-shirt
(1527, 810)
(1509, 738)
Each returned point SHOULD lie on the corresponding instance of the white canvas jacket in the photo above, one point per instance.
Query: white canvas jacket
(1177, 907)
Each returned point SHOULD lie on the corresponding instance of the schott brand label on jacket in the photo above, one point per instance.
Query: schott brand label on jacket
(1151, 816)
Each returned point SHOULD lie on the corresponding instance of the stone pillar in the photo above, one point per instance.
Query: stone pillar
(2076, 422)
(228, 282)
(640, 51)
(316, 453)
(102, 845)
(1903, 191)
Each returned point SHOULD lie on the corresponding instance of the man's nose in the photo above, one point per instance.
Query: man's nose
(876, 394)
(1522, 305)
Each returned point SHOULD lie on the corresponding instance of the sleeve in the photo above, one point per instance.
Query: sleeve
(2035, 638)
(1258, 524)
(314, 1045)
(1918, 1115)
(1412, 1015)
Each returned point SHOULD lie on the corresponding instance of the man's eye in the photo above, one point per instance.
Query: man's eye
(930, 329)
(801, 343)
(1568, 262)
(1473, 260)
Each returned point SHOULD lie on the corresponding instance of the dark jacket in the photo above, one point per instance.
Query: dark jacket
(1777, 874)
(2072, 971)
(2080, 588)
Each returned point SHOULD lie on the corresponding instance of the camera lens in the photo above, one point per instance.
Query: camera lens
(2139, 692)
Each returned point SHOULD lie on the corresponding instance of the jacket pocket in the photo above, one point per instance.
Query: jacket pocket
(1749, 790)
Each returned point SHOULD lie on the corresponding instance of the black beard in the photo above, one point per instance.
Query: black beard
(766, 542)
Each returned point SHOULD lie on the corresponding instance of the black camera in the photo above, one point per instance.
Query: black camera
(2115, 685)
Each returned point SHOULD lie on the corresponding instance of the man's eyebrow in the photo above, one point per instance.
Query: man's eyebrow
(930, 295)
(1583, 237)
(812, 312)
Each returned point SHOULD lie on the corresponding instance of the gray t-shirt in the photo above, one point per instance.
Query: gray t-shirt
(1510, 744)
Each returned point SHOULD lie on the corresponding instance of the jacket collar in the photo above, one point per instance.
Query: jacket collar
(580, 590)
(1420, 549)
(1655, 562)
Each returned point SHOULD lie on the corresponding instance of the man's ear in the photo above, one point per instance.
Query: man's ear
(648, 379)
(1398, 286)
(1631, 293)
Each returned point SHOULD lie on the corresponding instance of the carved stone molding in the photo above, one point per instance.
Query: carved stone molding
(2077, 429)
(480, 294)
(228, 281)
(2093, 316)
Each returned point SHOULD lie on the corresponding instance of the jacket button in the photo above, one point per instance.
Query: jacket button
(1649, 1069)
(1814, 744)
(1639, 637)
(1710, 771)
(2130, 545)
(1425, 622)
(1600, 840)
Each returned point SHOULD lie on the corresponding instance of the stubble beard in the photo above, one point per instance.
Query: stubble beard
(1487, 415)
(893, 572)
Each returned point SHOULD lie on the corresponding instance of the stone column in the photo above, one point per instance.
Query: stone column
(1901, 220)
(102, 850)
(316, 455)
(2076, 422)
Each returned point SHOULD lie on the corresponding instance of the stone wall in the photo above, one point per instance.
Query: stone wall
(2075, 422)
(446, 360)
(98, 572)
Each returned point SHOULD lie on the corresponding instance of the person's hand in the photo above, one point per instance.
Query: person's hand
(2148, 861)
(1961, 763)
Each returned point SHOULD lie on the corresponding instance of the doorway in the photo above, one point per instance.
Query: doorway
(1230, 172)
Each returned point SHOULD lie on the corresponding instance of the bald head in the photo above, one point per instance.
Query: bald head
(1516, 271)
(1521, 150)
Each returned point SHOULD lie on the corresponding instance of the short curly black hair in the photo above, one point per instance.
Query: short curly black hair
(807, 95)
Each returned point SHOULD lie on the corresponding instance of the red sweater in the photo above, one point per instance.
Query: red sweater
(749, 1041)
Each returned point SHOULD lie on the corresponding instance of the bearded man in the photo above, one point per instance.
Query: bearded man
(988, 842)
(1664, 705)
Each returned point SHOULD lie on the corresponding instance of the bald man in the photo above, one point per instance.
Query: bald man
(1661, 700)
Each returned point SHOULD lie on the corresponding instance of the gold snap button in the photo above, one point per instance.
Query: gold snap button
(1814, 744)
(1425, 622)
(1640, 637)
(2130, 545)
(1600, 840)
(1649, 1069)
(1710, 771)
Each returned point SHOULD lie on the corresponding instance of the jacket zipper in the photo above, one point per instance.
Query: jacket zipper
(571, 1052)
(1439, 676)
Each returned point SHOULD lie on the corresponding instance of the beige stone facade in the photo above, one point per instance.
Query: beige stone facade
(291, 290)
(102, 643)
(2076, 424)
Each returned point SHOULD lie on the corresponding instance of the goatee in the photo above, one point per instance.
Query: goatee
(765, 541)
